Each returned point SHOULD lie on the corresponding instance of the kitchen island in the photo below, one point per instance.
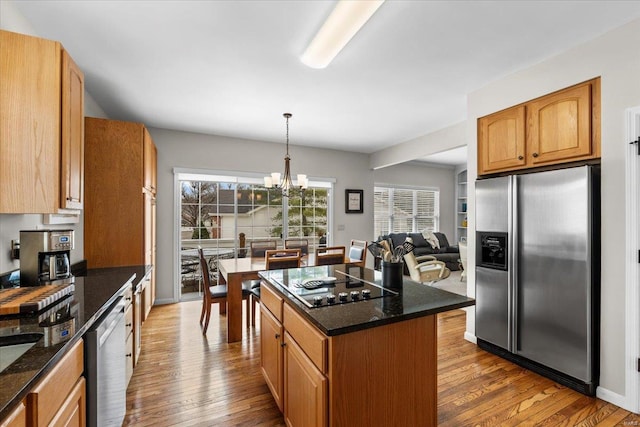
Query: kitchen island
(93, 294)
(370, 360)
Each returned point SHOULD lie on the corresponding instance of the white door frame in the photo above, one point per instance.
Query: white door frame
(632, 292)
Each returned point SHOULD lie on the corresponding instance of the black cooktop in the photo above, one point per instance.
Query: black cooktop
(341, 288)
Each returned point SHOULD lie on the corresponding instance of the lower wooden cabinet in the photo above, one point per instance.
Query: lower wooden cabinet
(17, 417)
(271, 353)
(72, 412)
(375, 377)
(59, 398)
(305, 388)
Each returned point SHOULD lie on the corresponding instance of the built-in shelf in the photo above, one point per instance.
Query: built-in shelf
(461, 205)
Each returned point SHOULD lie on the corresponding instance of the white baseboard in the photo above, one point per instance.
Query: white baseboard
(616, 399)
(164, 301)
(470, 337)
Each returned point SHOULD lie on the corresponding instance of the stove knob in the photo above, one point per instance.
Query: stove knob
(317, 301)
(366, 293)
(355, 295)
(331, 298)
(343, 296)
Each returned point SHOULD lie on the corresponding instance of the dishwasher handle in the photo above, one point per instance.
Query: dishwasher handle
(110, 321)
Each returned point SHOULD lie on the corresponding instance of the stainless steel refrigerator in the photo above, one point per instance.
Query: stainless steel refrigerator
(538, 272)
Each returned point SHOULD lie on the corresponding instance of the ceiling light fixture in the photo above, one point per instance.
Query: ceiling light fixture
(287, 183)
(344, 22)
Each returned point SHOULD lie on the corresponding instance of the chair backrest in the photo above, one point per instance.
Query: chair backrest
(462, 246)
(330, 255)
(410, 260)
(258, 248)
(358, 252)
(303, 244)
(206, 277)
(282, 258)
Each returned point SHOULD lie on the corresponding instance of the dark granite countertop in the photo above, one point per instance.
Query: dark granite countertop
(414, 300)
(93, 295)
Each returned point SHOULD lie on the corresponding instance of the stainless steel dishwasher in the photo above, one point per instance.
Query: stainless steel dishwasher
(106, 369)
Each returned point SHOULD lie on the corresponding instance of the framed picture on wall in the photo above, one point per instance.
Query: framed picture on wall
(353, 201)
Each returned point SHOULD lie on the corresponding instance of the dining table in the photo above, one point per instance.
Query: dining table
(233, 272)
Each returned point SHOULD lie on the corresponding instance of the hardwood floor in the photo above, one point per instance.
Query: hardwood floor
(186, 379)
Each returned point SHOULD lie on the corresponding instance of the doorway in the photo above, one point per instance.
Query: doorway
(632, 352)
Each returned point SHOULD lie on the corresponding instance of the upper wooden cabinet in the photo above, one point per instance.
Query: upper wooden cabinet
(119, 219)
(501, 141)
(41, 100)
(150, 163)
(72, 143)
(561, 127)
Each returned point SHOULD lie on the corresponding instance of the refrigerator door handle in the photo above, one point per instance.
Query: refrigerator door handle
(512, 264)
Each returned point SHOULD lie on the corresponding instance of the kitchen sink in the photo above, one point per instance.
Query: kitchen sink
(14, 346)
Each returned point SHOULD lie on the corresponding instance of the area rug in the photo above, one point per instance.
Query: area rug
(452, 284)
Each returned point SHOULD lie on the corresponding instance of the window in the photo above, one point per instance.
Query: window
(405, 210)
(223, 214)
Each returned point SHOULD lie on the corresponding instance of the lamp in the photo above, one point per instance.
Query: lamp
(286, 184)
(344, 22)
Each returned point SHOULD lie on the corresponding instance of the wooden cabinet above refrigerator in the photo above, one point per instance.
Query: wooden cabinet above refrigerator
(560, 127)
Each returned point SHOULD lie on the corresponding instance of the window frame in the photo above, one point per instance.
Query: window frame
(234, 177)
(391, 218)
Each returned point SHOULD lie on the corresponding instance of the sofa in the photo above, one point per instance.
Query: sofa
(447, 253)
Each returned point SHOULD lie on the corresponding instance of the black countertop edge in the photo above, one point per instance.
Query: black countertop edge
(95, 293)
(388, 321)
(415, 300)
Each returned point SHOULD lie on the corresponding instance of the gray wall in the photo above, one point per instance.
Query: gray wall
(209, 152)
(415, 175)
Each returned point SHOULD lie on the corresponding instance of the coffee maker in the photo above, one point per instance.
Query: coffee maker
(44, 257)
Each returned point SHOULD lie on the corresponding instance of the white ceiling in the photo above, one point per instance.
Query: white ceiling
(232, 67)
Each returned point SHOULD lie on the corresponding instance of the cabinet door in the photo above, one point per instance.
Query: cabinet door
(560, 126)
(271, 361)
(150, 162)
(72, 411)
(305, 389)
(17, 417)
(72, 142)
(501, 141)
(29, 124)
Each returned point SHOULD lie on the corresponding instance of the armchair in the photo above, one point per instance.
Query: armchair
(426, 268)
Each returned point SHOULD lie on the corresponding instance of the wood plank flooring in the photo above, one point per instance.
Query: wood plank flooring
(186, 379)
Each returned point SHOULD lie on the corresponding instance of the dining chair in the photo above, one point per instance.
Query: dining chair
(259, 247)
(275, 259)
(303, 244)
(330, 255)
(214, 294)
(257, 250)
(358, 252)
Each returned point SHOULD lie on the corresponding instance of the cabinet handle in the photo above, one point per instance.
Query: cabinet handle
(128, 324)
(283, 344)
(128, 299)
(128, 355)
(520, 157)
(535, 154)
(277, 336)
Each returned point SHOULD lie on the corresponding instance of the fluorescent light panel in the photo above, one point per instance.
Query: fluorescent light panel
(344, 22)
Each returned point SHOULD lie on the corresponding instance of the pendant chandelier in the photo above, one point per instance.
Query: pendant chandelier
(286, 184)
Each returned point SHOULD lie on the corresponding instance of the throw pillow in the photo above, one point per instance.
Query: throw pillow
(431, 238)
